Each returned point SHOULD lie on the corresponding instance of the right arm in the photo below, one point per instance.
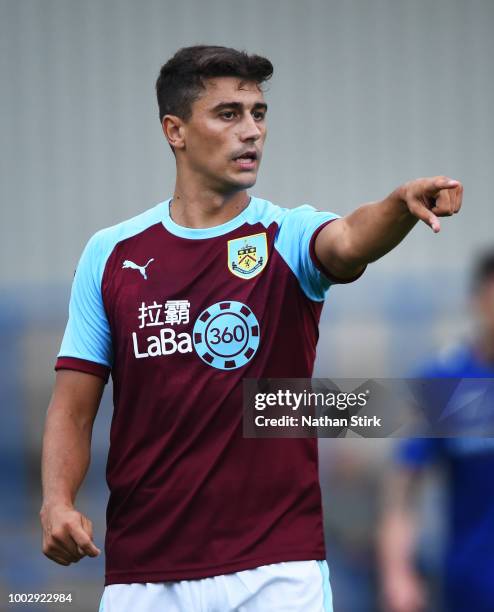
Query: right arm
(402, 588)
(68, 534)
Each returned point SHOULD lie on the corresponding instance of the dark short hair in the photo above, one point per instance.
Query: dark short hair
(181, 79)
(483, 269)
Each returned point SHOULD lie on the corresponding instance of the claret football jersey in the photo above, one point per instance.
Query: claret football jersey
(178, 317)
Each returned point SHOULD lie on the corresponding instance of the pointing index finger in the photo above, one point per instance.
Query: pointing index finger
(445, 183)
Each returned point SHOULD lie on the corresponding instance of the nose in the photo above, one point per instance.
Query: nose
(249, 129)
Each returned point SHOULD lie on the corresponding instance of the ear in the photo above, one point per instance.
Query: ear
(173, 129)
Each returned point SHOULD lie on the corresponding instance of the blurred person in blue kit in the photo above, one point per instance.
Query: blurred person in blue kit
(468, 466)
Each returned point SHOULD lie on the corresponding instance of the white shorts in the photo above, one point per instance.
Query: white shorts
(291, 586)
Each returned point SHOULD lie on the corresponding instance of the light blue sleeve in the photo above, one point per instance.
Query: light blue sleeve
(87, 335)
(293, 244)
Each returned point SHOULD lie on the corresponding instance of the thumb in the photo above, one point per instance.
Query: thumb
(82, 536)
(433, 222)
(419, 210)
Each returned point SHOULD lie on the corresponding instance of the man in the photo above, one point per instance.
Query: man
(180, 304)
(468, 464)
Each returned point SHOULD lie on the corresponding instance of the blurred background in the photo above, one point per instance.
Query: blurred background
(365, 95)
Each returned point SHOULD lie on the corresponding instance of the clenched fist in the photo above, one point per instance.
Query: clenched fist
(67, 534)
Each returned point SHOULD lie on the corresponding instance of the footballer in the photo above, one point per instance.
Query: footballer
(179, 304)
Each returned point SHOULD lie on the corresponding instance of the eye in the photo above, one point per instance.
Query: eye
(228, 115)
(259, 115)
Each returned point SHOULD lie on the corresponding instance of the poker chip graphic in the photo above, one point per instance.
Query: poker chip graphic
(226, 335)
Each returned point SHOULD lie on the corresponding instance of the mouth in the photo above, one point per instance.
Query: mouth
(247, 160)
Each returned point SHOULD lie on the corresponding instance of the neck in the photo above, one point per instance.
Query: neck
(199, 206)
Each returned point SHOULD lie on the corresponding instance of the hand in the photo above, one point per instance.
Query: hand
(403, 591)
(430, 198)
(67, 534)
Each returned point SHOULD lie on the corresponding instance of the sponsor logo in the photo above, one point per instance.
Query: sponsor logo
(142, 269)
(248, 256)
(225, 335)
(167, 343)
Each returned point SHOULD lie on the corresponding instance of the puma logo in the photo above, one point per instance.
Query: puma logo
(142, 269)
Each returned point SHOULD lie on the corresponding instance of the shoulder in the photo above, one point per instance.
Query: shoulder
(110, 236)
(266, 212)
(450, 361)
(101, 244)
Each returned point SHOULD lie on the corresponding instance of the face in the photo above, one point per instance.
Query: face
(484, 305)
(223, 139)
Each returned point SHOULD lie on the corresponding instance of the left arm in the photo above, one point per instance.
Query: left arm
(347, 245)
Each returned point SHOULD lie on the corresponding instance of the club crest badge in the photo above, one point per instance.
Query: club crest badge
(248, 256)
